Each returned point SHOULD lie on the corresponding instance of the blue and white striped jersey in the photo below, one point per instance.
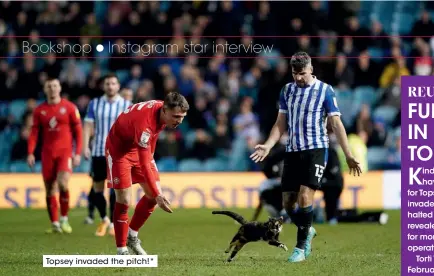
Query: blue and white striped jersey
(104, 113)
(306, 110)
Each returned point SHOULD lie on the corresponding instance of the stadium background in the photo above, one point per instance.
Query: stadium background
(233, 97)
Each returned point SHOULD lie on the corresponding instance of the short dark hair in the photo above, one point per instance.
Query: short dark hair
(174, 99)
(109, 76)
(49, 79)
(300, 60)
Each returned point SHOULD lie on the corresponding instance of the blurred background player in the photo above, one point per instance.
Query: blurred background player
(130, 149)
(270, 191)
(58, 119)
(332, 187)
(333, 181)
(101, 115)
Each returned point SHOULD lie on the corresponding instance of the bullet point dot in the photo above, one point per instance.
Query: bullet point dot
(99, 48)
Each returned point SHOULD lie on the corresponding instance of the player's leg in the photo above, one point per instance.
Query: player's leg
(296, 174)
(331, 199)
(332, 186)
(305, 232)
(144, 208)
(268, 200)
(119, 178)
(63, 180)
(120, 219)
(112, 208)
(290, 184)
(50, 193)
(90, 206)
(99, 172)
(64, 170)
(52, 206)
(315, 162)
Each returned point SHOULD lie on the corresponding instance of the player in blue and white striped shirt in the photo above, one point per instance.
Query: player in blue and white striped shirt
(305, 107)
(102, 112)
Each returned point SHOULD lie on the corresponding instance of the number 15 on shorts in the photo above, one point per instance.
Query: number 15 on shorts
(319, 171)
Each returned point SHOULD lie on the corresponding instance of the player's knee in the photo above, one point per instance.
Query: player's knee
(289, 200)
(63, 186)
(123, 200)
(50, 189)
(305, 198)
(123, 196)
(63, 179)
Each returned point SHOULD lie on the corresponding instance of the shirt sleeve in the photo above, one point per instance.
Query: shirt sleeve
(76, 128)
(90, 114)
(283, 105)
(143, 142)
(331, 103)
(34, 132)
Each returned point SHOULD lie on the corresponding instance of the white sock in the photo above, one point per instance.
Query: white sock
(122, 249)
(111, 225)
(56, 223)
(63, 219)
(132, 233)
(106, 219)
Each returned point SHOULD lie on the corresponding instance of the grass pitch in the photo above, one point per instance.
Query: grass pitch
(192, 242)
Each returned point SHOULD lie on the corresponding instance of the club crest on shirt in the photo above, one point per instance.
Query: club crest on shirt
(144, 139)
(62, 110)
(52, 123)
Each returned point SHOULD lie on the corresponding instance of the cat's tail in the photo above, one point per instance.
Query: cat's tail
(233, 215)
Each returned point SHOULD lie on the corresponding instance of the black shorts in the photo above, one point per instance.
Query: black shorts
(98, 170)
(304, 168)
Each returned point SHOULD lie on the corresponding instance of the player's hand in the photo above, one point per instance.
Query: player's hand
(76, 160)
(31, 160)
(87, 153)
(163, 203)
(354, 166)
(261, 151)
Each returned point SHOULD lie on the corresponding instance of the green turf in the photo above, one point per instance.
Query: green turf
(192, 242)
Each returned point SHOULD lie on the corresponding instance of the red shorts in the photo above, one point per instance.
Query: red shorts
(125, 171)
(53, 163)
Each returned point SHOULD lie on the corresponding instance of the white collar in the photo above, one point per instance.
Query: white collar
(115, 98)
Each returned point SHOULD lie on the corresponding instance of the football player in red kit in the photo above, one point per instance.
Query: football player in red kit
(130, 148)
(58, 119)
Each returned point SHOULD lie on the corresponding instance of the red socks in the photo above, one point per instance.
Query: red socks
(52, 208)
(120, 221)
(144, 209)
(64, 203)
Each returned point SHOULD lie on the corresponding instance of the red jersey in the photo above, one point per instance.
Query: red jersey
(58, 122)
(135, 134)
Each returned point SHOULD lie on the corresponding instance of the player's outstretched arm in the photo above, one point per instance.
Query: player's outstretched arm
(334, 116)
(88, 129)
(151, 188)
(341, 136)
(261, 151)
(77, 130)
(143, 142)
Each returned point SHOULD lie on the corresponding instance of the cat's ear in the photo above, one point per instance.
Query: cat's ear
(281, 219)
